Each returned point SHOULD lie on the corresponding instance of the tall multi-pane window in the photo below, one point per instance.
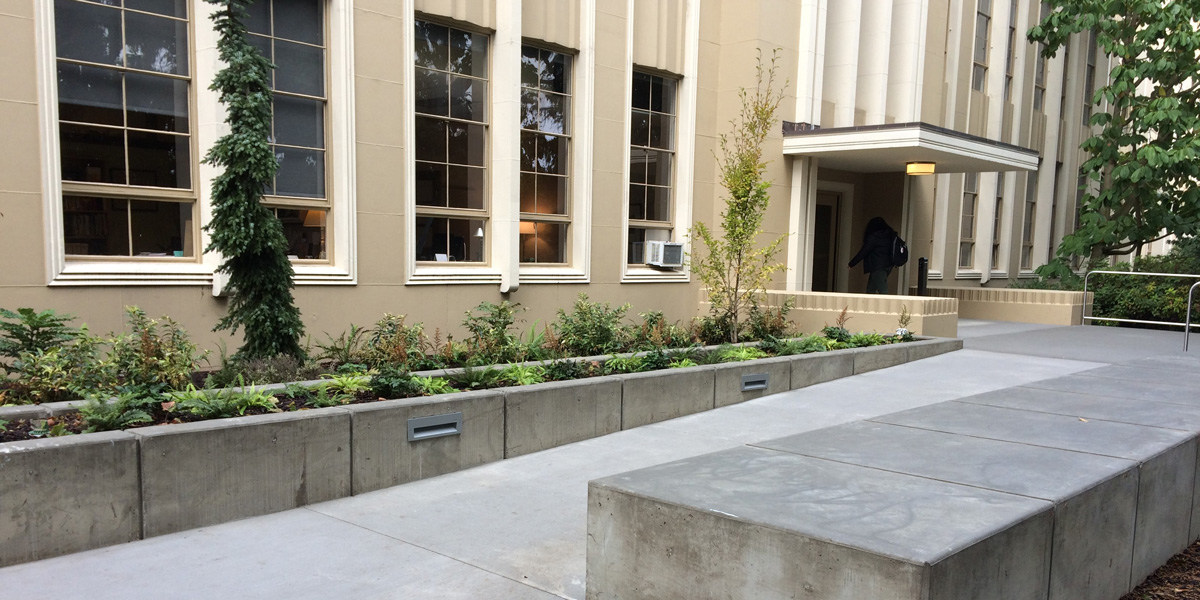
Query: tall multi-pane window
(124, 107)
(651, 162)
(966, 240)
(1011, 54)
(545, 159)
(1039, 69)
(1089, 79)
(983, 19)
(996, 220)
(1027, 229)
(291, 34)
(451, 143)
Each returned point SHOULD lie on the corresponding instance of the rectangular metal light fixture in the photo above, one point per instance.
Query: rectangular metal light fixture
(920, 168)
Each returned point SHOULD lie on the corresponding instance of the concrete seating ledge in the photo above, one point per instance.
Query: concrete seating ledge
(74, 493)
(1077, 487)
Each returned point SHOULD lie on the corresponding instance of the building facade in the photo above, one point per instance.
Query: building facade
(439, 153)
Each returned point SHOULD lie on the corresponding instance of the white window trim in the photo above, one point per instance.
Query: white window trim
(685, 148)
(578, 267)
(208, 127)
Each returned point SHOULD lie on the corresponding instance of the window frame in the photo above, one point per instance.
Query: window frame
(207, 126)
(1029, 222)
(672, 149)
(998, 223)
(568, 216)
(114, 191)
(278, 202)
(966, 260)
(979, 64)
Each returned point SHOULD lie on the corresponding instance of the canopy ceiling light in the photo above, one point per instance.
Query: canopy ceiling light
(920, 168)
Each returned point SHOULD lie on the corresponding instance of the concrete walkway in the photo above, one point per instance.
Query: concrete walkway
(517, 528)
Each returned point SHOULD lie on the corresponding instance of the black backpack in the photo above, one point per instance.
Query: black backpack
(899, 251)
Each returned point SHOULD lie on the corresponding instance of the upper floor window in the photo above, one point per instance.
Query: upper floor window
(1039, 69)
(1011, 54)
(125, 129)
(545, 155)
(970, 201)
(291, 34)
(983, 19)
(451, 80)
(651, 162)
(1089, 79)
(1028, 225)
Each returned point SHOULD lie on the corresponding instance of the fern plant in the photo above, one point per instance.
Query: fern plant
(122, 412)
(523, 375)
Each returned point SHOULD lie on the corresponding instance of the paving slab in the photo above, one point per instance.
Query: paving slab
(1144, 412)
(298, 555)
(1189, 378)
(1167, 473)
(1184, 361)
(1116, 388)
(524, 518)
(756, 523)
(1095, 496)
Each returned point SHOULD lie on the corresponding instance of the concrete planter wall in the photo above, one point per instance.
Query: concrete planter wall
(75, 493)
(383, 456)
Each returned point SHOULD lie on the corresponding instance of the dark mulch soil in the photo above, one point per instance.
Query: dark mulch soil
(20, 430)
(1179, 579)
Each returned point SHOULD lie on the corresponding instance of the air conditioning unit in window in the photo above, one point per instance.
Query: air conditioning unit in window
(664, 254)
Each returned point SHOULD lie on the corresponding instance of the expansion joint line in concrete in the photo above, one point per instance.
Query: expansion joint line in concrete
(431, 551)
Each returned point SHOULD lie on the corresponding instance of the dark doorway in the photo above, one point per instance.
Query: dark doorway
(825, 228)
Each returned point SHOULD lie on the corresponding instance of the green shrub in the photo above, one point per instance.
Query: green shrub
(65, 372)
(431, 386)
(768, 321)
(393, 381)
(152, 354)
(563, 370)
(475, 378)
(623, 364)
(1149, 298)
(28, 331)
(346, 348)
(656, 332)
(281, 368)
(741, 353)
(656, 360)
(220, 404)
(864, 340)
(836, 333)
(712, 330)
(102, 414)
(591, 328)
(492, 340)
(523, 375)
(391, 341)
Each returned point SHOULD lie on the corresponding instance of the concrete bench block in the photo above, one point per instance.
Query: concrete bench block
(879, 357)
(756, 523)
(210, 472)
(776, 372)
(1166, 475)
(382, 456)
(68, 494)
(1095, 497)
(662, 395)
(1183, 417)
(819, 367)
(547, 415)
(1115, 388)
(1169, 376)
(932, 347)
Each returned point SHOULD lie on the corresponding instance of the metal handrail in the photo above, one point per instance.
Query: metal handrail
(1186, 324)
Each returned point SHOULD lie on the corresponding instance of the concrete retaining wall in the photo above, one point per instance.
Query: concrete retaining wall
(382, 455)
(68, 494)
(663, 395)
(198, 474)
(547, 415)
(74, 493)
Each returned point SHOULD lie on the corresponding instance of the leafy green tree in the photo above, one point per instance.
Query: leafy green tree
(1146, 154)
(245, 232)
(731, 264)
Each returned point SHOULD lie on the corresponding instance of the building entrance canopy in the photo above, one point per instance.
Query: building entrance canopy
(889, 148)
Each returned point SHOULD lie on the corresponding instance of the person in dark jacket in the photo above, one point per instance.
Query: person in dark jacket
(876, 255)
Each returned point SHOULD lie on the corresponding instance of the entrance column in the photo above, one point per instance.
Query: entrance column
(801, 214)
